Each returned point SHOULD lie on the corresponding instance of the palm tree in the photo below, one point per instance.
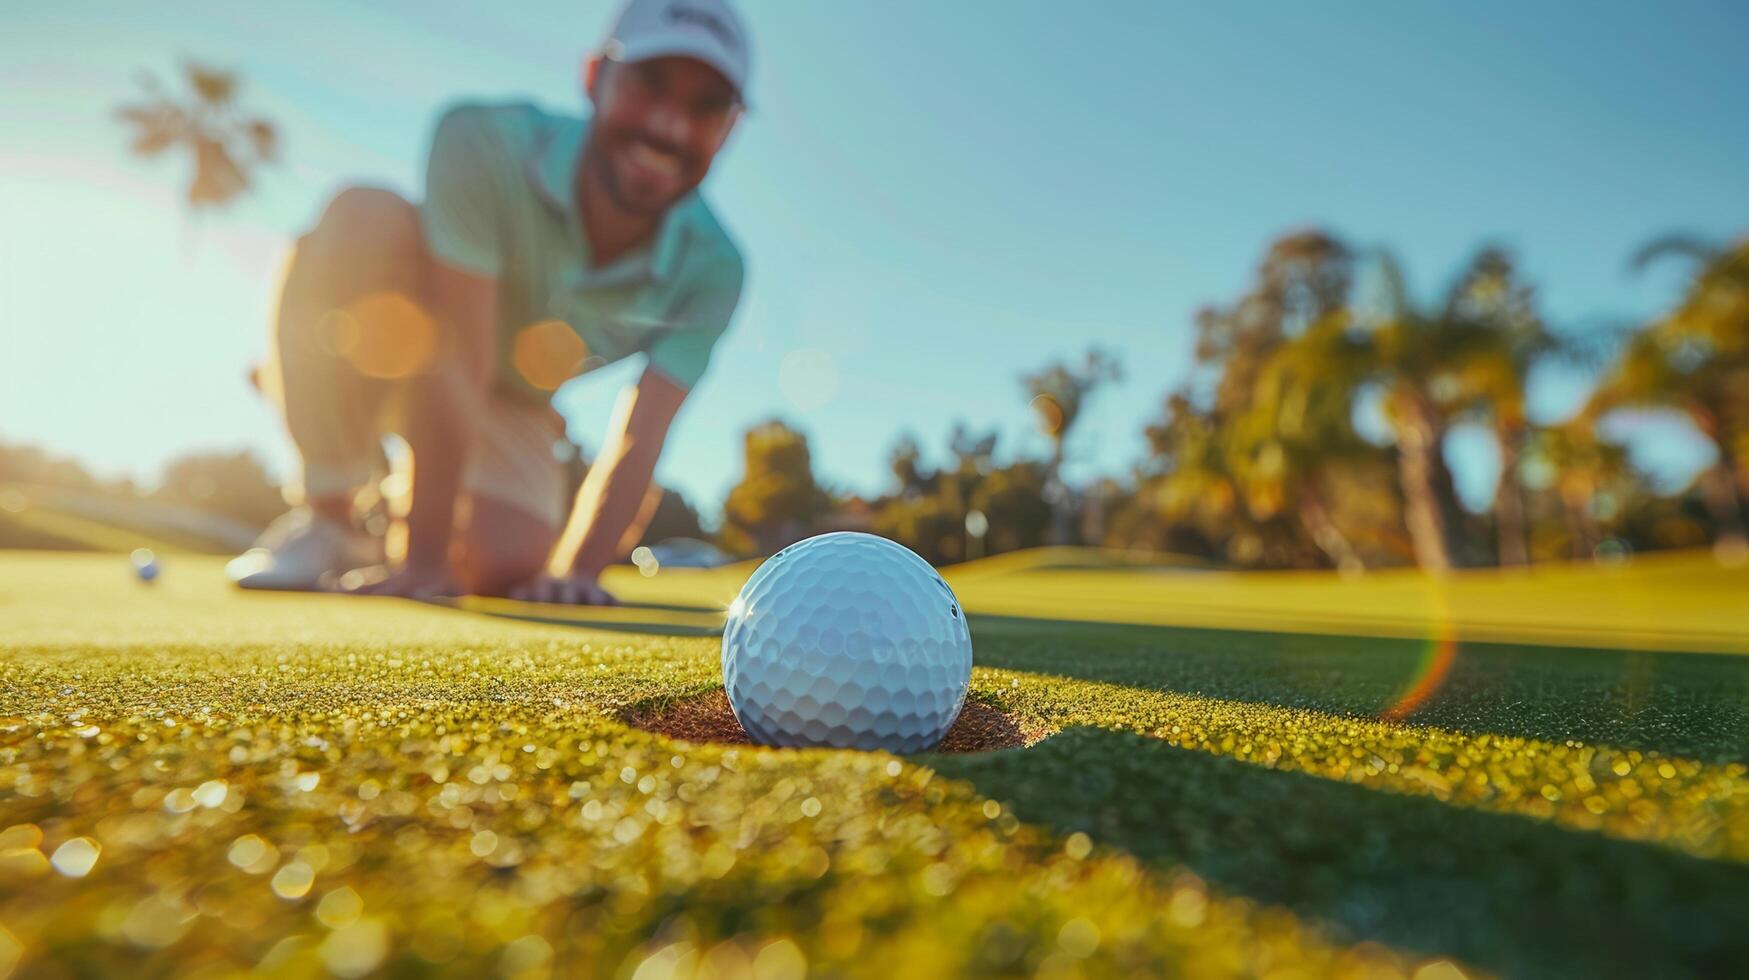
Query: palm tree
(224, 143)
(1420, 363)
(1488, 299)
(1696, 360)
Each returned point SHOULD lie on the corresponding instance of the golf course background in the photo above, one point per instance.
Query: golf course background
(220, 782)
(1334, 423)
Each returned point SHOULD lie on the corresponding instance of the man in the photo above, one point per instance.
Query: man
(544, 245)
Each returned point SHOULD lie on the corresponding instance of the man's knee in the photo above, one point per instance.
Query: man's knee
(369, 211)
(367, 232)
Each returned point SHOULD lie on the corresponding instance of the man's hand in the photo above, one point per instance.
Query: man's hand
(422, 582)
(573, 590)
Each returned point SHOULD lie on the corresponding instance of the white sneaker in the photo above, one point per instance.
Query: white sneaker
(299, 550)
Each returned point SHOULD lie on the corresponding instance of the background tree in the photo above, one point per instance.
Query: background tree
(927, 524)
(1218, 476)
(905, 460)
(1696, 360)
(1581, 472)
(1297, 428)
(225, 145)
(1185, 499)
(674, 518)
(1058, 394)
(33, 465)
(229, 484)
(777, 501)
(1304, 276)
(927, 511)
(974, 455)
(1012, 500)
(1420, 359)
(1510, 339)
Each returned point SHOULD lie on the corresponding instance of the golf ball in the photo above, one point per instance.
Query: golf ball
(145, 564)
(847, 640)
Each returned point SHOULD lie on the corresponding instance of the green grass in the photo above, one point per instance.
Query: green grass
(1384, 830)
(295, 784)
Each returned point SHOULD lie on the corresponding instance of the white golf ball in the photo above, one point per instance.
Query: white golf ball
(847, 640)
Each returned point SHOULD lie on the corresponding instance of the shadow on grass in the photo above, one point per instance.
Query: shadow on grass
(1694, 705)
(1502, 892)
(1688, 704)
(666, 620)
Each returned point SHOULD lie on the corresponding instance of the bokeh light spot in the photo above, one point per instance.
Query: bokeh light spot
(294, 880)
(355, 950)
(395, 337)
(646, 561)
(1050, 414)
(339, 908)
(76, 857)
(548, 354)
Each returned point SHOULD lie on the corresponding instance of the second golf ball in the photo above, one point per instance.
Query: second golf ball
(847, 640)
(145, 565)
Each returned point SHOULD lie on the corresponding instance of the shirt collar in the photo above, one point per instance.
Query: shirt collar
(551, 171)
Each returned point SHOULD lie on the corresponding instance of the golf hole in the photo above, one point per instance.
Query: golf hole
(708, 718)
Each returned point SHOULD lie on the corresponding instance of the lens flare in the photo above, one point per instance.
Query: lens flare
(1050, 414)
(1436, 659)
(394, 338)
(548, 354)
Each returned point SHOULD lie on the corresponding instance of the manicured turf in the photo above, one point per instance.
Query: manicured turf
(298, 783)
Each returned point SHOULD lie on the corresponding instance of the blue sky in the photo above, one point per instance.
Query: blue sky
(933, 197)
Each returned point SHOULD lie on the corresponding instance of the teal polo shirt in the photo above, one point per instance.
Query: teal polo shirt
(499, 203)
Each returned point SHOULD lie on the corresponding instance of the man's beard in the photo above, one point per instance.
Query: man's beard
(608, 176)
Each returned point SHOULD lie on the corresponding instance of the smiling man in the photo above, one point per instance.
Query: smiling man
(544, 245)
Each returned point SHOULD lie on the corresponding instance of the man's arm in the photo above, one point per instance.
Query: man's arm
(609, 505)
(610, 513)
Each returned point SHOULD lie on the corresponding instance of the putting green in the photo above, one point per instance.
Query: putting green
(222, 782)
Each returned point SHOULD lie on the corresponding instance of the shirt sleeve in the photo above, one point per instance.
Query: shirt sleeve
(684, 353)
(461, 210)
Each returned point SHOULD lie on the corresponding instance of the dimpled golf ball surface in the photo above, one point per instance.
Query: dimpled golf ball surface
(847, 640)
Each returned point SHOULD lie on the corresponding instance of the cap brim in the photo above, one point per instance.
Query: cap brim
(682, 46)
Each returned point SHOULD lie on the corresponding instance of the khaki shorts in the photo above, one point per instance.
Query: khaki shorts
(516, 460)
(338, 418)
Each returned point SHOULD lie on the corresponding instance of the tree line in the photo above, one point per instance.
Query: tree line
(1259, 457)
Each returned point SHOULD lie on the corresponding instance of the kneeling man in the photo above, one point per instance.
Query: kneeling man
(544, 245)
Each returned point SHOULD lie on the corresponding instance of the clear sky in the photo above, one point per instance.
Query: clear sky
(934, 197)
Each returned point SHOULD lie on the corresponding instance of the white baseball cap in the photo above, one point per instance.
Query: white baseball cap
(708, 30)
